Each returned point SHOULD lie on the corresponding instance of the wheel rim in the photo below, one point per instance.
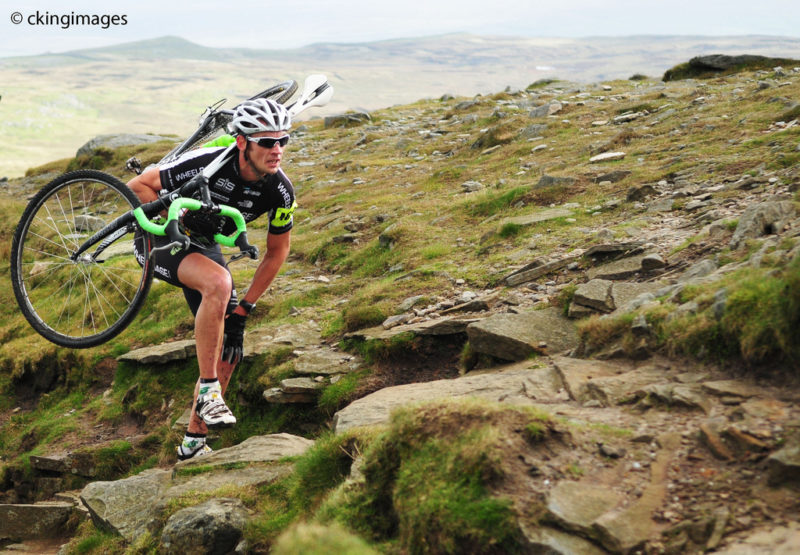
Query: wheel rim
(84, 298)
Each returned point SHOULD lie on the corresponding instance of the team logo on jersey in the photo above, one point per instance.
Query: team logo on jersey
(287, 198)
(187, 174)
(252, 192)
(225, 184)
(283, 216)
(246, 204)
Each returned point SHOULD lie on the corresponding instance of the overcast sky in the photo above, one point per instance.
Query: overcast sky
(275, 24)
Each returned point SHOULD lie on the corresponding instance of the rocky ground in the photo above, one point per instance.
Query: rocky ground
(659, 453)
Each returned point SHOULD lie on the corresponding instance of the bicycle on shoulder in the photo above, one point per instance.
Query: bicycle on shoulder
(74, 270)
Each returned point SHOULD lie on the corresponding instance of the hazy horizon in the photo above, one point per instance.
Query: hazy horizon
(49, 27)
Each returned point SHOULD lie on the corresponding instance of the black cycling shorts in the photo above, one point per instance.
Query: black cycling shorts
(166, 264)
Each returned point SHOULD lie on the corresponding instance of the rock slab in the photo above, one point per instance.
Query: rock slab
(34, 521)
(129, 506)
(521, 384)
(518, 336)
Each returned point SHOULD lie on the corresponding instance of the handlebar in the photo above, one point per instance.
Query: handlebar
(178, 239)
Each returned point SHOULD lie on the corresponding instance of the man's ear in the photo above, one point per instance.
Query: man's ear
(241, 142)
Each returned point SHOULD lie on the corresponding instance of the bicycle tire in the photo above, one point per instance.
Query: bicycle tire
(84, 302)
(280, 93)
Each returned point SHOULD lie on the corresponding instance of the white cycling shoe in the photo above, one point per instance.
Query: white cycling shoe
(212, 410)
(185, 454)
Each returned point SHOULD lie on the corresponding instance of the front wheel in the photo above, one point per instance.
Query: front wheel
(86, 300)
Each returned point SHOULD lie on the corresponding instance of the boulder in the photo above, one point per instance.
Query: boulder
(117, 141)
(623, 268)
(613, 177)
(214, 527)
(576, 506)
(609, 383)
(698, 270)
(784, 466)
(263, 340)
(34, 521)
(127, 506)
(518, 336)
(639, 193)
(281, 397)
(595, 294)
(546, 110)
(761, 219)
(627, 296)
(607, 157)
(553, 181)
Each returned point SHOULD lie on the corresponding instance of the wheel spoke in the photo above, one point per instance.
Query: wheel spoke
(77, 302)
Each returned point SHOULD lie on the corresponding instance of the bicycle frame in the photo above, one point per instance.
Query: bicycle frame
(177, 201)
(316, 92)
(79, 292)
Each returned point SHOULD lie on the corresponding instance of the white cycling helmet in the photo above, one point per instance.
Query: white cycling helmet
(254, 116)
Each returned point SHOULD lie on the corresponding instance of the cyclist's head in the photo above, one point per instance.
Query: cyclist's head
(255, 116)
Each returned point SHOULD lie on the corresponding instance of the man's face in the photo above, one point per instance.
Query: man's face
(265, 160)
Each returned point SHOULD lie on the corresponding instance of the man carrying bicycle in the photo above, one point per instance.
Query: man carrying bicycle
(253, 182)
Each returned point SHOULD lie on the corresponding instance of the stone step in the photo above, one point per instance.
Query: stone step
(35, 521)
(74, 497)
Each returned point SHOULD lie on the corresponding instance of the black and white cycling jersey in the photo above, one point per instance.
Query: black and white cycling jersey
(274, 194)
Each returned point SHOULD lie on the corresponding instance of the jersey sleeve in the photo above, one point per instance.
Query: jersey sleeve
(176, 173)
(281, 218)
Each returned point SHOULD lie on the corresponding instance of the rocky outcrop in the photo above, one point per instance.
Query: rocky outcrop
(116, 141)
(766, 218)
(130, 506)
(518, 336)
(347, 120)
(522, 383)
(35, 521)
(721, 62)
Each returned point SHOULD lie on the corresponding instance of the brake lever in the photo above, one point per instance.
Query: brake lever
(180, 245)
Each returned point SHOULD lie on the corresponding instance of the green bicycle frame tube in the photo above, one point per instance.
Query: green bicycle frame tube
(193, 204)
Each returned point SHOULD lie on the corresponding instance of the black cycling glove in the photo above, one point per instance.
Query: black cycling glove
(233, 340)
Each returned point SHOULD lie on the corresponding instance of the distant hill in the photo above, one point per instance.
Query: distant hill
(53, 103)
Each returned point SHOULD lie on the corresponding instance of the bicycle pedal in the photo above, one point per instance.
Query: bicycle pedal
(134, 164)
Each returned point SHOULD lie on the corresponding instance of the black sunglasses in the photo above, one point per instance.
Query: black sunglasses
(269, 142)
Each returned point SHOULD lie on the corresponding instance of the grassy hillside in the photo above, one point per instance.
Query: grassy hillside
(415, 202)
(53, 103)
